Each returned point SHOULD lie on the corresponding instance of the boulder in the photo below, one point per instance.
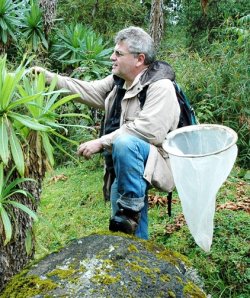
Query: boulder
(112, 265)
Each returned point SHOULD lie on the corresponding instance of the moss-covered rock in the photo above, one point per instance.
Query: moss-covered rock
(107, 266)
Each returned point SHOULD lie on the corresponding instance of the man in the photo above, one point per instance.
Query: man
(133, 136)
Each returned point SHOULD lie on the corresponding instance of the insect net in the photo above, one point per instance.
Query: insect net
(201, 158)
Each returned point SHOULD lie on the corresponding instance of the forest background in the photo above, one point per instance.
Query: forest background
(206, 42)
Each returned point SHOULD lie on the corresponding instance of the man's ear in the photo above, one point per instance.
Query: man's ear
(141, 59)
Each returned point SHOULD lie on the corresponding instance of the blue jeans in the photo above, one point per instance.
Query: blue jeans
(129, 189)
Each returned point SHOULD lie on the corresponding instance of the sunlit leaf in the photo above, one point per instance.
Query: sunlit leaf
(29, 122)
(48, 148)
(17, 153)
(4, 141)
(63, 101)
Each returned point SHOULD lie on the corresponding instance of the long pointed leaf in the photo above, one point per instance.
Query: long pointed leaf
(29, 122)
(17, 153)
(18, 191)
(63, 101)
(6, 224)
(14, 183)
(48, 148)
(1, 178)
(64, 138)
(23, 100)
(9, 85)
(4, 142)
(23, 208)
(64, 151)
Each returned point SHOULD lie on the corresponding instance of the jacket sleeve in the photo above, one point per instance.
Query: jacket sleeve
(159, 115)
(91, 93)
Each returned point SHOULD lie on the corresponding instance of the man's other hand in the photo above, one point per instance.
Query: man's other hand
(88, 148)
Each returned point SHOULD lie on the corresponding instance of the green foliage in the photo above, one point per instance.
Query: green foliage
(200, 25)
(42, 110)
(77, 202)
(9, 21)
(32, 28)
(7, 190)
(10, 101)
(105, 17)
(240, 30)
(79, 46)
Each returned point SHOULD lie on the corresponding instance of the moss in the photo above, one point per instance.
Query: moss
(105, 279)
(165, 278)
(151, 272)
(173, 257)
(138, 280)
(27, 286)
(62, 273)
(192, 291)
(171, 294)
(132, 248)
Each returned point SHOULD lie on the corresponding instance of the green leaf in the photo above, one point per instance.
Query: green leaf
(18, 191)
(63, 101)
(4, 142)
(29, 122)
(23, 100)
(9, 85)
(64, 138)
(23, 208)
(48, 148)
(64, 151)
(6, 224)
(13, 184)
(1, 178)
(17, 153)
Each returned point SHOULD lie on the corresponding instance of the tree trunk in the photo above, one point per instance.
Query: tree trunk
(15, 255)
(156, 21)
(49, 13)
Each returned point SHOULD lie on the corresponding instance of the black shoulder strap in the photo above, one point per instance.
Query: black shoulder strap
(142, 96)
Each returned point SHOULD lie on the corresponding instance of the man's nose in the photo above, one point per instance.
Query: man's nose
(113, 57)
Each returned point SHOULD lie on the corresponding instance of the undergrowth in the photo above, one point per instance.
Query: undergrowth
(72, 207)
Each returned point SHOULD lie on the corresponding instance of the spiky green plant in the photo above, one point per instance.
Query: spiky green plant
(32, 28)
(9, 21)
(80, 46)
(7, 190)
(10, 145)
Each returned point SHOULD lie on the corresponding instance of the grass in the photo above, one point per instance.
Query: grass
(72, 206)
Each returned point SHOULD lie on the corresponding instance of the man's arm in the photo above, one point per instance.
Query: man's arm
(91, 93)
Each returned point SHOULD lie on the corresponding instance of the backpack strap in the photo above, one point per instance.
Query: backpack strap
(142, 96)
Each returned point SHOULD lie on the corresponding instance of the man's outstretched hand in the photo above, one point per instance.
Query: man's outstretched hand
(37, 69)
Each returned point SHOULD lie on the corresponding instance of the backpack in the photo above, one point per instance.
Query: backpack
(187, 117)
(187, 114)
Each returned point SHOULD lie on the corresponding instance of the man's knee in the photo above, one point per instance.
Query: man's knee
(124, 141)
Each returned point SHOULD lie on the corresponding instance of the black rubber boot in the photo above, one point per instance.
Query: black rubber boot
(125, 221)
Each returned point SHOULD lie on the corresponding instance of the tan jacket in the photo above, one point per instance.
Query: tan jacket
(160, 114)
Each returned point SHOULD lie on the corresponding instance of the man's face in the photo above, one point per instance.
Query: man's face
(124, 62)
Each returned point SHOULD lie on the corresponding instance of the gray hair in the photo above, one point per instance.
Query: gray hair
(138, 41)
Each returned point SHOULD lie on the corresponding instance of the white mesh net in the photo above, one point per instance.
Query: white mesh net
(201, 158)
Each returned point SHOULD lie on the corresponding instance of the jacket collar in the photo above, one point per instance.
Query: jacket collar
(158, 70)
